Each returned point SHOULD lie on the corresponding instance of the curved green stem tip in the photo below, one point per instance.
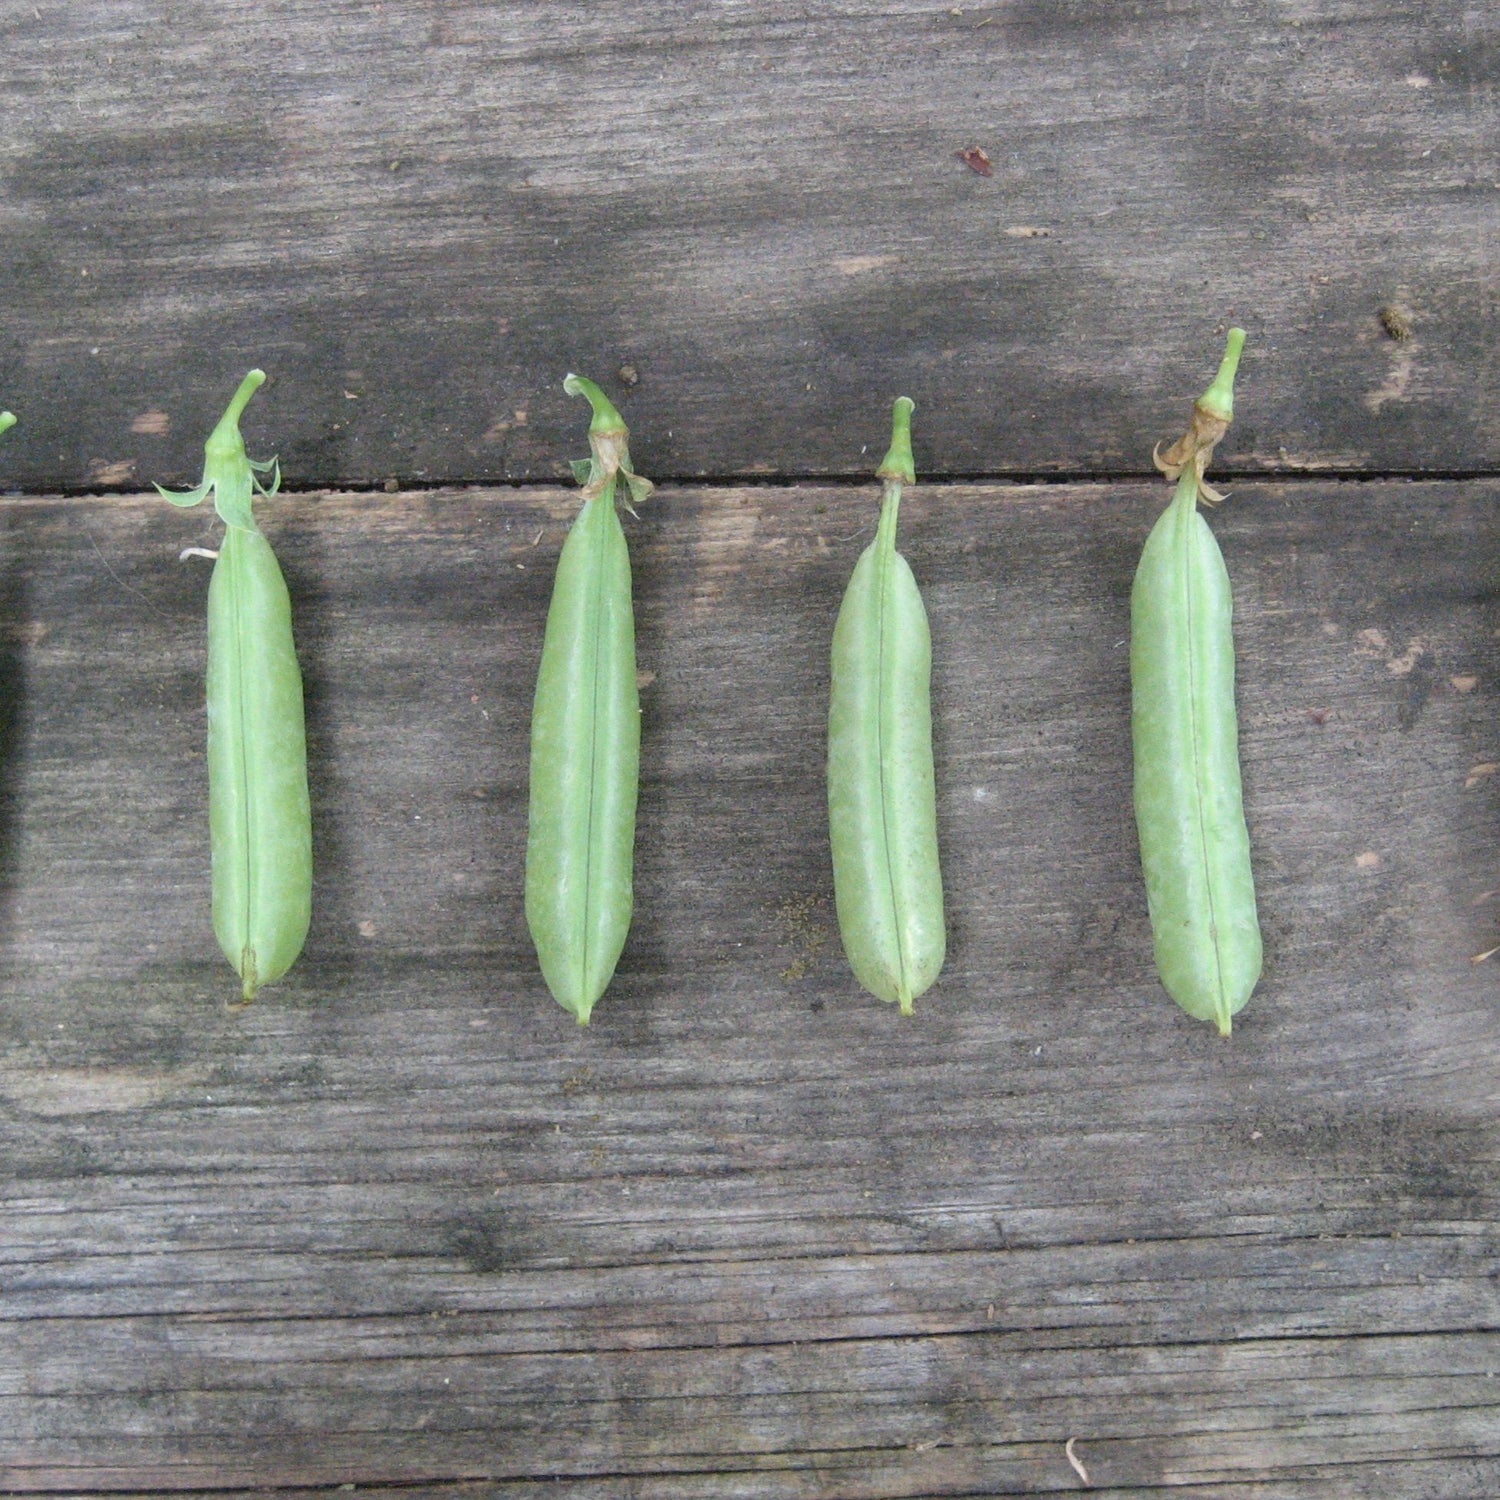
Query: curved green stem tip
(898, 464)
(606, 418)
(7, 420)
(241, 398)
(225, 444)
(1218, 399)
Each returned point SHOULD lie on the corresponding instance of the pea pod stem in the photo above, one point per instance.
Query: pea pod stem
(260, 823)
(585, 735)
(881, 791)
(1195, 847)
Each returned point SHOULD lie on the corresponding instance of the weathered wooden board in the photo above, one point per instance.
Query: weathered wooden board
(751, 1234)
(418, 215)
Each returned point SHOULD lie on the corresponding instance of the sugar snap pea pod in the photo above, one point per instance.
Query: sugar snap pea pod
(1195, 849)
(882, 806)
(260, 826)
(586, 735)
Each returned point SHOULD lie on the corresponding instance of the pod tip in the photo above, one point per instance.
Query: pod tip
(898, 464)
(606, 418)
(1218, 399)
(252, 382)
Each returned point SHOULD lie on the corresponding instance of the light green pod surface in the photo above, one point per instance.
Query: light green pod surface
(1195, 849)
(585, 764)
(259, 817)
(260, 825)
(882, 803)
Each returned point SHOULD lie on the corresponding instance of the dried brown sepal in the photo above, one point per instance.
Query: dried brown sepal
(611, 450)
(1194, 449)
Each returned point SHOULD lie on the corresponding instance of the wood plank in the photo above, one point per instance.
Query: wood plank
(1353, 1482)
(935, 1418)
(750, 1234)
(417, 217)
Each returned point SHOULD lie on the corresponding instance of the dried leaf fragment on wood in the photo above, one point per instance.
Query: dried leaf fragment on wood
(976, 159)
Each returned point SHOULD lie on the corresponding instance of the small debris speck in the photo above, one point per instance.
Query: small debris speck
(1396, 322)
(804, 929)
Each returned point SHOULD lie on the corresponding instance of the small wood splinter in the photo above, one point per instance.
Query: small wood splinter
(1077, 1462)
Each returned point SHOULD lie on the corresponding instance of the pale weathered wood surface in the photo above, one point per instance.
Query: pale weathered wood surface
(751, 1234)
(417, 215)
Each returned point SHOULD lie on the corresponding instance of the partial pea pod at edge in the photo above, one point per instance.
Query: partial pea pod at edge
(1195, 848)
(260, 822)
(882, 803)
(586, 736)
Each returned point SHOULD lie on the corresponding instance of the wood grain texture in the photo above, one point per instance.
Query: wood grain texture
(418, 216)
(752, 1234)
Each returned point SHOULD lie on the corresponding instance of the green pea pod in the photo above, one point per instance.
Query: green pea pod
(882, 804)
(1195, 848)
(7, 420)
(260, 824)
(586, 736)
